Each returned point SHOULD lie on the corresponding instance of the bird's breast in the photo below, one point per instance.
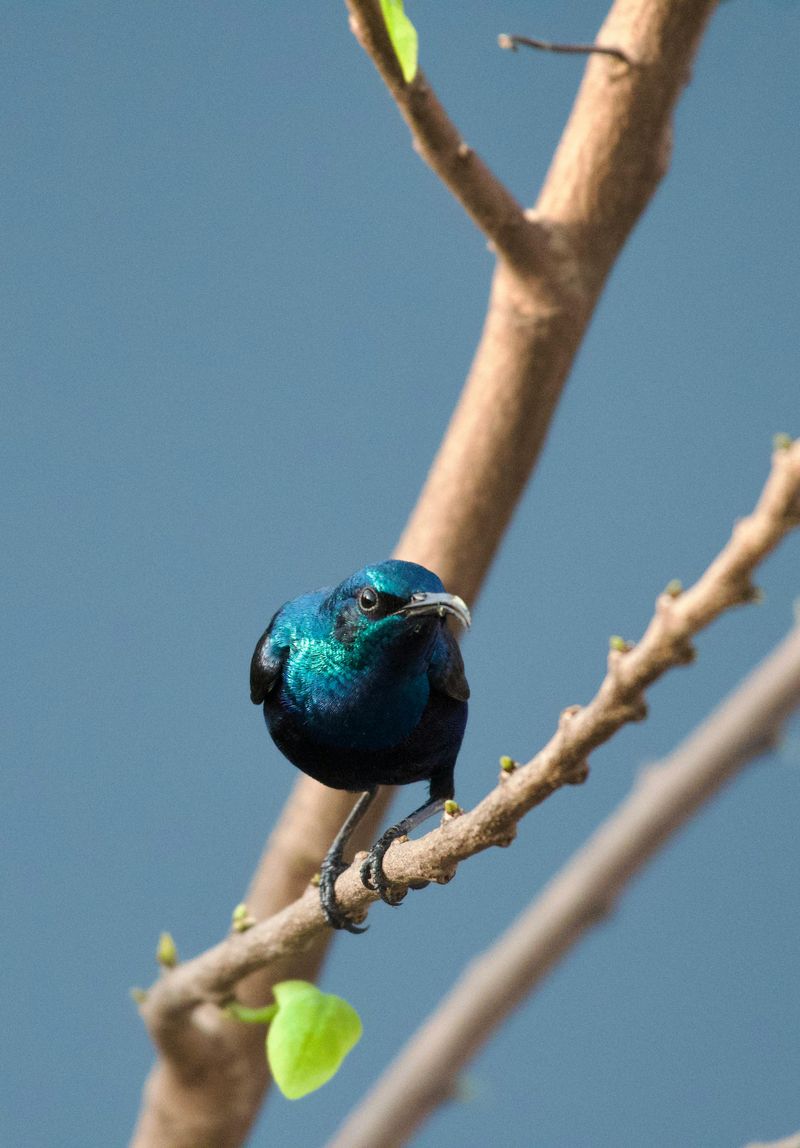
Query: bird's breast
(358, 707)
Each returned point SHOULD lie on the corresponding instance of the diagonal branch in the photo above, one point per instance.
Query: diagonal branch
(426, 1072)
(620, 699)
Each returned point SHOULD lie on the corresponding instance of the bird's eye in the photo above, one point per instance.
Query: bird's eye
(368, 600)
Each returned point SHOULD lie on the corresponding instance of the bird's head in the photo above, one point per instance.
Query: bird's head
(392, 604)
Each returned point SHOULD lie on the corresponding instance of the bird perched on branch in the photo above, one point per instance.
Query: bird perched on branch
(363, 685)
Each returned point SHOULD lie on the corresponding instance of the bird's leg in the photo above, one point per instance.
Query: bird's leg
(333, 865)
(372, 873)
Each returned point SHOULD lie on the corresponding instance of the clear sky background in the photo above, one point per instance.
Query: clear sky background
(236, 313)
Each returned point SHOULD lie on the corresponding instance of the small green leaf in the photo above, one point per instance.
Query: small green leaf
(309, 1038)
(403, 35)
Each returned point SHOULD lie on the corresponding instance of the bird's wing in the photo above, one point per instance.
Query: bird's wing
(266, 665)
(446, 671)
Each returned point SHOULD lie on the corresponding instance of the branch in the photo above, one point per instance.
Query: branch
(486, 200)
(426, 1072)
(620, 699)
(208, 1083)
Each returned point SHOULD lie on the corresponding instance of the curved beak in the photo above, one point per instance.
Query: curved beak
(440, 604)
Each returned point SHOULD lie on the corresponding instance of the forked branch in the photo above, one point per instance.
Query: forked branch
(483, 196)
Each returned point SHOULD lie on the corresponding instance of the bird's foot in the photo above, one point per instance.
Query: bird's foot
(332, 912)
(372, 874)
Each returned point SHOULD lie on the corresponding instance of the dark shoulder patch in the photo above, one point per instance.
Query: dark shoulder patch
(265, 666)
(447, 668)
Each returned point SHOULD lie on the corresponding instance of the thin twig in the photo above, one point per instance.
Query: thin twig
(511, 43)
(620, 699)
(426, 1072)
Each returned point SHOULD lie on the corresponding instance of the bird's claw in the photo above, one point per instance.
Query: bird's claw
(336, 918)
(374, 878)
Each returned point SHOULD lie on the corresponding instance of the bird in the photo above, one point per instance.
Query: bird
(362, 685)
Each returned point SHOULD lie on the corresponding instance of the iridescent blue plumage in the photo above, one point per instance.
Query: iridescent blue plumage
(363, 685)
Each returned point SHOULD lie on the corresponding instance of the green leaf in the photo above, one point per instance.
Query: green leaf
(403, 35)
(309, 1038)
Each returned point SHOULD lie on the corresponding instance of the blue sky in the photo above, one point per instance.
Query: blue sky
(237, 310)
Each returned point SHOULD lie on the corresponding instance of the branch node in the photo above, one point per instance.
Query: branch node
(507, 765)
(684, 651)
(616, 654)
(636, 709)
(242, 919)
(743, 589)
(576, 774)
(665, 605)
(566, 717)
(505, 837)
